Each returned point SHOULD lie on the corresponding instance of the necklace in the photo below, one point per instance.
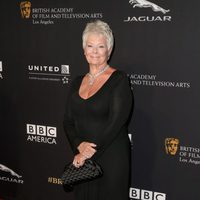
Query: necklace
(93, 77)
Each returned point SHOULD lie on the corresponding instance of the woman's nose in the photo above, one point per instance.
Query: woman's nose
(95, 49)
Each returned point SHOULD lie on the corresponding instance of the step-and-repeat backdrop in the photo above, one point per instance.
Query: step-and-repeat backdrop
(156, 43)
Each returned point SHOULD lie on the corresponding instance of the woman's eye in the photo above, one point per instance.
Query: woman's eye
(89, 45)
(102, 46)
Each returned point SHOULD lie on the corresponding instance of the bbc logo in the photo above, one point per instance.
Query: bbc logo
(40, 130)
(146, 195)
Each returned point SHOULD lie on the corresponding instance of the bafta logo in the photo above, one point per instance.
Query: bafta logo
(25, 8)
(171, 146)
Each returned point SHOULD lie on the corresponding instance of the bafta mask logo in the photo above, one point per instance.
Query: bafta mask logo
(171, 146)
(25, 8)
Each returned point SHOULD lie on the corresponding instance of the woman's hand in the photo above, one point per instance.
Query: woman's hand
(79, 160)
(87, 149)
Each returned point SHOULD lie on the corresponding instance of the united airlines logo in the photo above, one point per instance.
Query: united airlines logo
(148, 4)
(49, 73)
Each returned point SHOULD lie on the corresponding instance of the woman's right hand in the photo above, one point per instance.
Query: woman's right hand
(87, 149)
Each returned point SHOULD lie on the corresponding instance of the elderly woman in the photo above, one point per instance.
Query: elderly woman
(96, 118)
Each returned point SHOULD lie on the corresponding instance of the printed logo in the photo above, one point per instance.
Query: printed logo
(140, 194)
(11, 177)
(41, 134)
(49, 16)
(185, 154)
(1, 70)
(130, 137)
(49, 73)
(171, 146)
(25, 8)
(154, 7)
(54, 180)
(6, 169)
(65, 69)
(147, 4)
(152, 80)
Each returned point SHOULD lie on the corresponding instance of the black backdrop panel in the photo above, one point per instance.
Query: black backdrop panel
(157, 44)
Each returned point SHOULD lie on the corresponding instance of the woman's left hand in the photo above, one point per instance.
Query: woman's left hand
(87, 149)
(79, 160)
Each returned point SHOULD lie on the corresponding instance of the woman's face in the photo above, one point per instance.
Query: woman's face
(96, 50)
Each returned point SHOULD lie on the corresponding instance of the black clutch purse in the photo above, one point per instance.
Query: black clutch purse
(73, 175)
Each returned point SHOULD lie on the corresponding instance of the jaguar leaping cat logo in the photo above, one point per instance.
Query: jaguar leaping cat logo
(147, 4)
(6, 169)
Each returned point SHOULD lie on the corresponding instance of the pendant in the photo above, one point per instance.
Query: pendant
(91, 81)
(93, 77)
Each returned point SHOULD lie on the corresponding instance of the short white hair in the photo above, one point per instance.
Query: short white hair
(98, 27)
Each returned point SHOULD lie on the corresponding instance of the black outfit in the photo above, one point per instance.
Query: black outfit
(102, 119)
